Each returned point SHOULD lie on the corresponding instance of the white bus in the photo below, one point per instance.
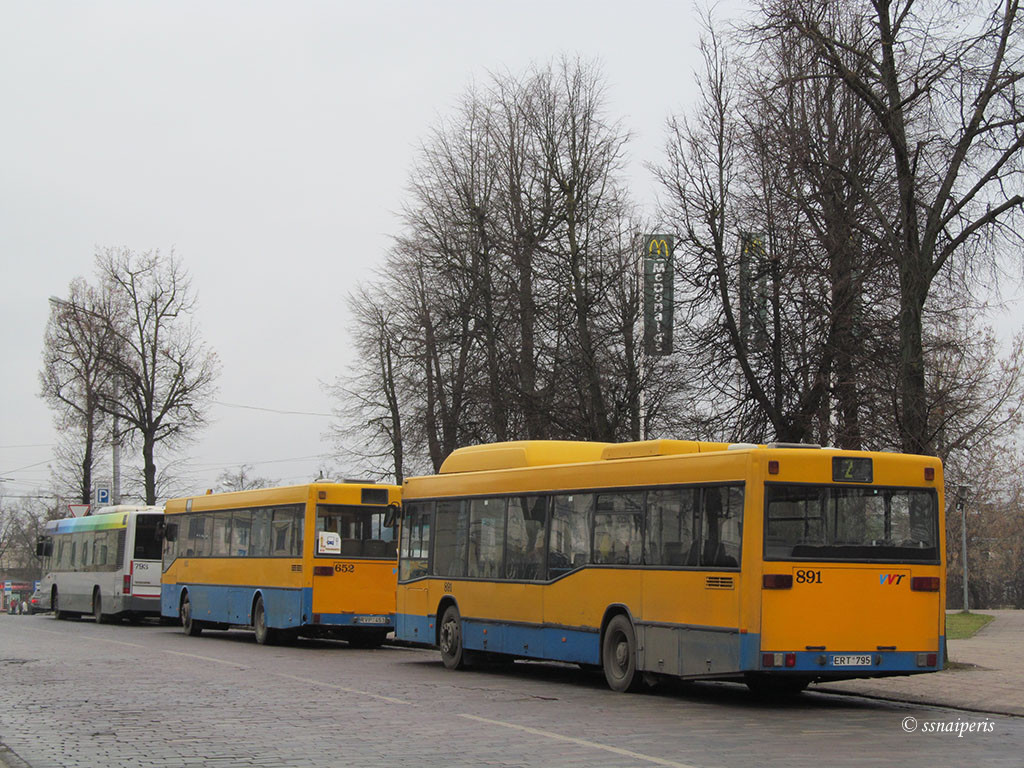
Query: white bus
(106, 564)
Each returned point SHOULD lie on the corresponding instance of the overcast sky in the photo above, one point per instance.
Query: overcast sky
(268, 144)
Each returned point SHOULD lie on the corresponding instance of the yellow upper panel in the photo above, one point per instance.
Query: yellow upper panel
(333, 493)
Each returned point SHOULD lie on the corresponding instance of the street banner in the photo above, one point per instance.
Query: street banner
(659, 296)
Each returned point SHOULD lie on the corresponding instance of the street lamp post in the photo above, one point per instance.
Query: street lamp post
(961, 491)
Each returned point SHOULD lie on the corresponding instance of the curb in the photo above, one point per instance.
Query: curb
(918, 702)
(10, 760)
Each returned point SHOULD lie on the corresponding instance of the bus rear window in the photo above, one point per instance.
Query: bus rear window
(361, 531)
(148, 542)
(817, 522)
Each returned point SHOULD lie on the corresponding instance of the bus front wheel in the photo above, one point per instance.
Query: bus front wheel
(452, 653)
(192, 627)
(618, 655)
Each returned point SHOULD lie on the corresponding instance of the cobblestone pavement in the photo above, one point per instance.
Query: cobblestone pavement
(81, 694)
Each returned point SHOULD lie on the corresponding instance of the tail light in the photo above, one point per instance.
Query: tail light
(777, 581)
(126, 588)
(927, 659)
(778, 659)
(924, 584)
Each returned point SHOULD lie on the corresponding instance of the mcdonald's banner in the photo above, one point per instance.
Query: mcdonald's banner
(659, 296)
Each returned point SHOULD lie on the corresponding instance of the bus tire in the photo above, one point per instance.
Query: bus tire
(55, 605)
(264, 635)
(618, 655)
(97, 608)
(192, 627)
(450, 639)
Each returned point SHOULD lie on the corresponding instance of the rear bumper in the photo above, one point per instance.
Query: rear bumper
(822, 663)
(140, 604)
(380, 621)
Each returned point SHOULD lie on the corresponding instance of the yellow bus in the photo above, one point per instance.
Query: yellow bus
(776, 565)
(317, 560)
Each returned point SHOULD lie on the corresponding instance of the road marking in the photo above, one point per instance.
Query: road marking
(234, 664)
(581, 742)
(89, 637)
(340, 688)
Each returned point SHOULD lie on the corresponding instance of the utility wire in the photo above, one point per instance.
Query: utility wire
(272, 410)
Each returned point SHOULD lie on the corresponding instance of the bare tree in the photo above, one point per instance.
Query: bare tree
(941, 82)
(77, 350)
(165, 373)
(242, 479)
(509, 306)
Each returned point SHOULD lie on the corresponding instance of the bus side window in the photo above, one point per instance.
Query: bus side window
(569, 539)
(723, 516)
(617, 526)
(451, 534)
(259, 541)
(524, 548)
(241, 532)
(486, 538)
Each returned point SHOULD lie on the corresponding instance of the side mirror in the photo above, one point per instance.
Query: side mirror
(392, 515)
(170, 531)
(44, 547)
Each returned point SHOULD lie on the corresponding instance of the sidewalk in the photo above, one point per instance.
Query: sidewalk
(992, 679)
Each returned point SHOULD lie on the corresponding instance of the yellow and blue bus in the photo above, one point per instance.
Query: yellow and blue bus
(776, 565)
(317, 560)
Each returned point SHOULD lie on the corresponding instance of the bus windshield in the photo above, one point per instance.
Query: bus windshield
(826, 522)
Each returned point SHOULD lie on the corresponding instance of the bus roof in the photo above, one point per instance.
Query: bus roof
(537, 453)
(288, 494)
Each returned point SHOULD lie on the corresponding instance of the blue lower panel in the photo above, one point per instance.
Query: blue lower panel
(529, 641)
(415, 629)
(285, 608)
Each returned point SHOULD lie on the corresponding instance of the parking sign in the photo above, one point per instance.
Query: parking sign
(102, 495)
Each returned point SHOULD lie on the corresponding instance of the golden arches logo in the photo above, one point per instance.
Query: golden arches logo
(656, 246)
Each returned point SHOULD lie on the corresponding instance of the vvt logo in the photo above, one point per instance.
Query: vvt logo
(890, 578)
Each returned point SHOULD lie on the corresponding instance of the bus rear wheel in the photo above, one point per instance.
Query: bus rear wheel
(97, 609)
(55, 605)
(618, 655)
(450, 635)
(264, 635)
(192, 627)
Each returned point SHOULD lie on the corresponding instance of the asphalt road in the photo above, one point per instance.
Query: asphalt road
(73, 693)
